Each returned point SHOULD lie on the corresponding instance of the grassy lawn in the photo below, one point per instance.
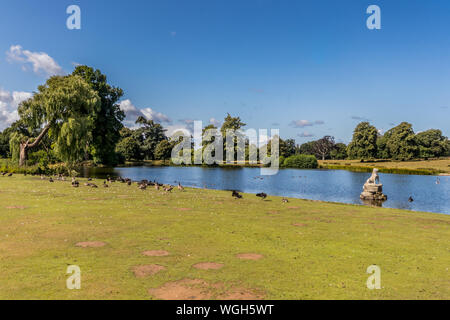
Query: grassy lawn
(414, 167)
(309, 250)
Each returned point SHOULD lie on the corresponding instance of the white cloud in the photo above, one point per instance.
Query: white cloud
(360, 118)
(8, 106)
(41, 62)
(305, 135)
(132, 113)
(175, 128)
(149, 113)
(305, 123)
(188, 124)
(216, 123)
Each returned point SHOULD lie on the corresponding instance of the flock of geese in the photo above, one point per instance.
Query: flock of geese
(142, 185)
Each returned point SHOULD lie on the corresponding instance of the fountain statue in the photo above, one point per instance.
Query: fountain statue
(373, 189)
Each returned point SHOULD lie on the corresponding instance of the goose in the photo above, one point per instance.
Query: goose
(156, 186)
(50, 180)
(105, 185)
(262, 195)
(3, 173)
(89, 179)
(75, 183)
(285, 200)
(410, 199)
(143, 186)
(93, 185)
(10, 175)
(129, 182)
(168, 189)
(438, 181)
(236, 195)
(180, 187)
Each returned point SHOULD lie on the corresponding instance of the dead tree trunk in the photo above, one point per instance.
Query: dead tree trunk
(23, 153)
(25, 146)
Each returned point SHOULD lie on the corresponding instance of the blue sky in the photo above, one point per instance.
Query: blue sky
(309, 68)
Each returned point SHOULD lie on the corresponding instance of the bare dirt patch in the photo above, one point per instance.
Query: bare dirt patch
(155, 253)
(293, 207)
(249, 256)
(16, 207)
(183, 209)
(299, 225)
(241, 294)
(208, 266)
(273, 212)
(147, 270)
(196, 289)
(91, 244)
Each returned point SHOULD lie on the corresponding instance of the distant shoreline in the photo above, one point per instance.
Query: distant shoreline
(436, 167)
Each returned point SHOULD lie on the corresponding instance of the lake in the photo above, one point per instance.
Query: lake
(325, 185)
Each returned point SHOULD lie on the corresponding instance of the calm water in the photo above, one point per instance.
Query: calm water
(326, 185)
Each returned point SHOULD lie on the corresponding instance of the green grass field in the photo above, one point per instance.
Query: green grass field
(311, 250)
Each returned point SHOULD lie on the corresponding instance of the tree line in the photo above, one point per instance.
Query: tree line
(77, 117)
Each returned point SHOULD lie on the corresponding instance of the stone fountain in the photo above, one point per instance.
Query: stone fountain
(373, 189)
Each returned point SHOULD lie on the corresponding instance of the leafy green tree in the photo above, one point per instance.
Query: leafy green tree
(108, 119)
(5, 138)
(126, 132)
(209, 134)
(128, 148)
(287, 147)
(364, 143)
(382, 149)
(63, 109)
(301, 161)
(323, 147)
(306, 148)
(231, 123)
(432, 143)
(401, 142)
(150, 134)
(4, 144)
(163, 150)
(339, 151)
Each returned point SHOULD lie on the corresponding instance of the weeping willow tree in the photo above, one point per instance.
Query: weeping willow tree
(64, 110)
